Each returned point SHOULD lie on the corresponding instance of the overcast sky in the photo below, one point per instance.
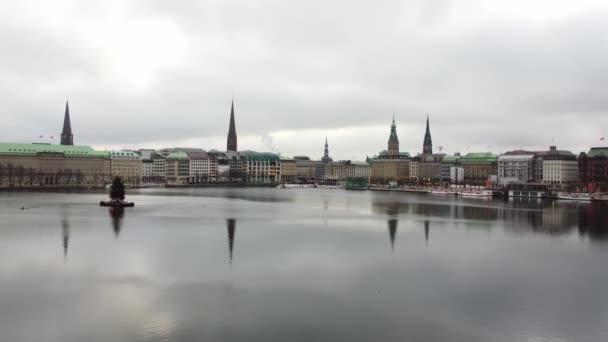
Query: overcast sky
(493, 75)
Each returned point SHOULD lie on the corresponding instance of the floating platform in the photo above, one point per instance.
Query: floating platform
(117, 204)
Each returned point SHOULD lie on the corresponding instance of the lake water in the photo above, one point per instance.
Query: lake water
(301, 265)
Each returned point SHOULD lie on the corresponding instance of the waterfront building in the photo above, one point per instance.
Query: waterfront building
(516, 168)
(305, 169)
(147, 170)
(560, 167)
(127, 165)
(427, 146)
(67, 138)
(389, 170)
(320, 171)
(447, 163)
(159, 167)
(47, 165)
(231, 144)
(262, 167)
(340, 171)
(478, 167)
(223, 173)
(200, 167)
(413, 163)
(593, 169)
(177, 168)
(326, 158)
(288, 170)
(429, 168)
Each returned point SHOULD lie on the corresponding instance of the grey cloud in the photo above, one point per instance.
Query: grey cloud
(317, 66)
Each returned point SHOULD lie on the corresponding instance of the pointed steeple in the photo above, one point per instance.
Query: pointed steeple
(427, 147)
(66, 135)
(393, 141)
(326, 158)
(231, 144)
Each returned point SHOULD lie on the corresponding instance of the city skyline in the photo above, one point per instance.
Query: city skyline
(493, 77)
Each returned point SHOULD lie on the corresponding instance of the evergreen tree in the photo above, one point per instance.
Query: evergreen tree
(117, 191)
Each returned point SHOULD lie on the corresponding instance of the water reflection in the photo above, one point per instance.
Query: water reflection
(516, 215)
(65, 228)
(117, 214)
(593, 221)
(231, 227)
(392, 232)
(426, 232)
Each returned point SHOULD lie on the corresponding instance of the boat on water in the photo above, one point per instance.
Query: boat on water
(574, 196)
(295, 186)
(599, 197)
(475, 193)
(443, 192)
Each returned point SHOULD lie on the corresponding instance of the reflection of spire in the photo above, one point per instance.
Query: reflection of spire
(231, 230)
(117, 214)
(392, 231)
(66, 238)
(426, 231)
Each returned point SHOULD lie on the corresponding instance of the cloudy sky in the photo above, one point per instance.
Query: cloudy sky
(493, 75)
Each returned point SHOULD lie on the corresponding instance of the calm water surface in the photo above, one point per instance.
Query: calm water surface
(301, 265)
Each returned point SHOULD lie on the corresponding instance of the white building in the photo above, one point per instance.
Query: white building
(560, 167)
(159, 167)
(515, 168)
(200, 167)
(413, 170)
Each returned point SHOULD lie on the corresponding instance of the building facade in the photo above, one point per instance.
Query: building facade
(262, 167)
(200, 167)
(516, 168)
(389, 170)
(128, 166)
(177, 168)
(429, 168)
(478, 167)
(593, 169)
(288, 171)
(46, 165)
(340, 171)
(560, 167)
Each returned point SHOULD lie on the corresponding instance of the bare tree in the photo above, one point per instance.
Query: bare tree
(10, 170)
(20, 171)
(2, 169)
(79, 177)
(31, 175)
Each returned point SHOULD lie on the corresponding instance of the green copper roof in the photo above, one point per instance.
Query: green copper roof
(40, 148)
(598, 152)
(260, 155)
(479, 157)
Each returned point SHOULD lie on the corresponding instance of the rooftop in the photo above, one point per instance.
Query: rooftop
(48, 148)
(595, 152)
(479, 157)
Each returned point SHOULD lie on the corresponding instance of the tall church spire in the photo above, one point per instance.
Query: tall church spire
(326, 158)
(231, 144)
(427, 147)
(66, 135)
(393, 141)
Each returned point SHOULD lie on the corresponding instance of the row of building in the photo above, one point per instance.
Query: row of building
(40, 164)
